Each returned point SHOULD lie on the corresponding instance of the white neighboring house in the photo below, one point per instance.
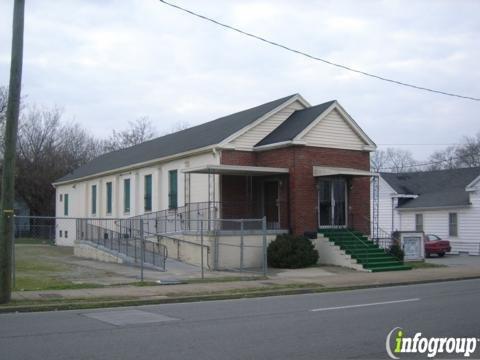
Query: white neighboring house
(443, 202)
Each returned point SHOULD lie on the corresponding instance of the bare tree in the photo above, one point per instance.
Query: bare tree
(378, 161)
(179, 126)
(47, 150)
(467, 154)
(3, 102)
(393, 160)
(3, 115)
(138, 131)
(443, 159)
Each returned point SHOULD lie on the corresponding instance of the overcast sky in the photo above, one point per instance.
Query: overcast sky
(110, 61)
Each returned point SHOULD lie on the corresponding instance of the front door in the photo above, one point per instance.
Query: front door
(270, 204)
(332, 203)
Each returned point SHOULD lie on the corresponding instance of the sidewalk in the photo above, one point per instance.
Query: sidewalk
(281, 282)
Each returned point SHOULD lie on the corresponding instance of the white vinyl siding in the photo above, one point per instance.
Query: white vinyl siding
(437, 222)
(257, 133)
(385, 208)
(333, 131)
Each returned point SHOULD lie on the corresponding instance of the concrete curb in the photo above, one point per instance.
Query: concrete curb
(252, 293)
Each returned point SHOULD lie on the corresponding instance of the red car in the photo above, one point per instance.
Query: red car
(436, 245)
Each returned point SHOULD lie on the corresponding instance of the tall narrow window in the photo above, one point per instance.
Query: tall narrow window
(418, 222)
(94, 199)
(65, 205)
(148, 193)
(126, 195)
(61, 197)
(452, 224)
(172, 189)
(109, 197)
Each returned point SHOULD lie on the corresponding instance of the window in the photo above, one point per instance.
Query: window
(65, 205)
(418, 222)
(109, 197)
(126, 195)
(148, 193)
(452, 224)
(61, 197)
(60, 233)
(94, 199)
(66, 234)
(172, 189)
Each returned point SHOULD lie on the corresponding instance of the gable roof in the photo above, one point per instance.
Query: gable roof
(439, 188)
(196, 137)
(294, 124)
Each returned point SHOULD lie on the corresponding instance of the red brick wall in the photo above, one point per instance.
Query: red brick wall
(302, 185)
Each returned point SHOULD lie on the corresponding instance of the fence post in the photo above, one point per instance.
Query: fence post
(216, 246)
(241, 244)
(142, 251)
(264, 232)
(201, 249)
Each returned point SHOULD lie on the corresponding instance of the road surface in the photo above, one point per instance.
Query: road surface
(338, 325)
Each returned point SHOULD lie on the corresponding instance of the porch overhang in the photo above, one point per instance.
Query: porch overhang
(335, 171)
(238, 170)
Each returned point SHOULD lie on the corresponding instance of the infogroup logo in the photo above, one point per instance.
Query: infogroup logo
(430, 346)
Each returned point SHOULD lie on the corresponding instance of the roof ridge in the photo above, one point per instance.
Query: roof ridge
(316, 106)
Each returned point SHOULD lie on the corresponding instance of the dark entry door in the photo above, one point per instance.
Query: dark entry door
(332, 202)
(270, 204)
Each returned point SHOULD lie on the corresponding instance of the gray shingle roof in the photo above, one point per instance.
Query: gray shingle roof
(295, 123)
(437, 188)
(196, 137)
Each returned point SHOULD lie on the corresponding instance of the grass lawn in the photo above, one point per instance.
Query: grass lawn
(33, 241)
(40, 267)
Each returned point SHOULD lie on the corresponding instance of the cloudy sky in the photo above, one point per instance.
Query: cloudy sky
(110, 61)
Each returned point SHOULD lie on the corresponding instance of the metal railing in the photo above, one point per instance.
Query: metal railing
(379, 236)
(186, 218)
(130, 242)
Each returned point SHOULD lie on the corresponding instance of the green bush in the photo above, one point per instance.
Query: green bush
(291, 252)
(396, 251)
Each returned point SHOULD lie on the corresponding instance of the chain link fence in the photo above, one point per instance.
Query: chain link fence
(237, 245)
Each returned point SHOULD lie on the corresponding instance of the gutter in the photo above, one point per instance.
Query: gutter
(435, 208)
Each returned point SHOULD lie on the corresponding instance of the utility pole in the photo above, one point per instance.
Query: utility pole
(8, 176)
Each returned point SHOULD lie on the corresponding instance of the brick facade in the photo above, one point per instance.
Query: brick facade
(301, 190)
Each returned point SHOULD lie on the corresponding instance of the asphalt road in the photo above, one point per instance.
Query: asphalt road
(349, 324)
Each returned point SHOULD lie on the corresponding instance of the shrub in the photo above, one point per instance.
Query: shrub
(291, 252)
(396, 251)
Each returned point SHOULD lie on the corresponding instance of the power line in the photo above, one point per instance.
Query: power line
(422, 164)
(285, 47)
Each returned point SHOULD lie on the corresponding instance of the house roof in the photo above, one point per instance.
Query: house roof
(196, 137)
(294, 124)
(439, 188)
